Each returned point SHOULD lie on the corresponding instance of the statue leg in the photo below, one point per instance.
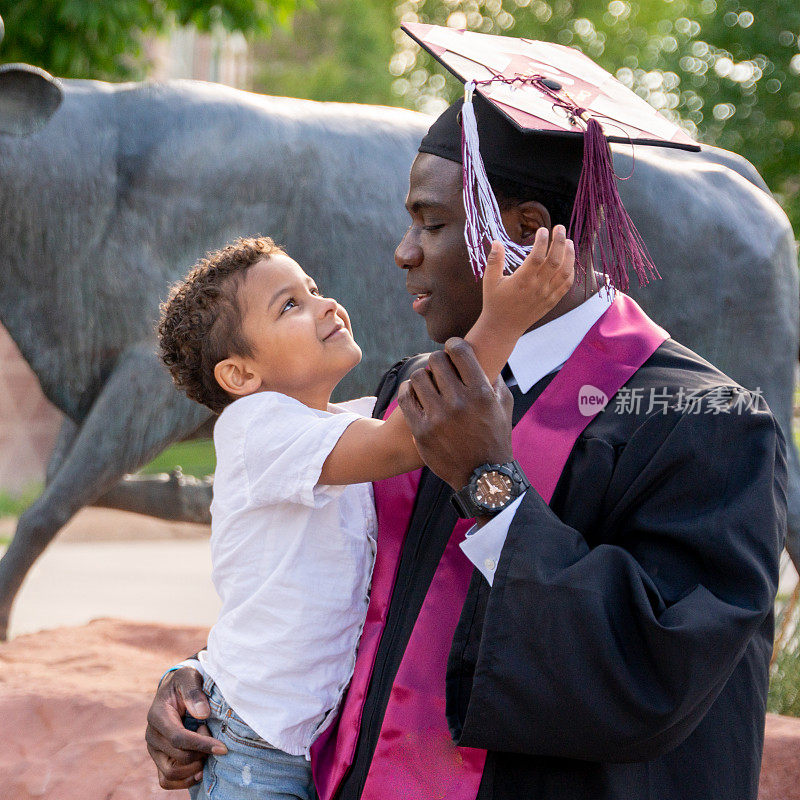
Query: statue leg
(173, 497)
(136, 415)
(66, 437)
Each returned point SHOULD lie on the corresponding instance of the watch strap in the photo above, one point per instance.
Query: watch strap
(464, 505)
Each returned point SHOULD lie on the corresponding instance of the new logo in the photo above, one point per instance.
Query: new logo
(591, 400)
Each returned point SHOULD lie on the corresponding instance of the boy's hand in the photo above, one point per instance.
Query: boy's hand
(519, 300)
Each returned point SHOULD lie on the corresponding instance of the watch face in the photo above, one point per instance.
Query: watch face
(493, 490)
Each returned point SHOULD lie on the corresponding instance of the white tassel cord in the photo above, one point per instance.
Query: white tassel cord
(484, 223)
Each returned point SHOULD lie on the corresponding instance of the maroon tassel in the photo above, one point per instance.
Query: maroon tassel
(600, 218)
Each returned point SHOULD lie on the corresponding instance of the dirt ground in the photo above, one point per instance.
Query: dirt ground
(75, 702)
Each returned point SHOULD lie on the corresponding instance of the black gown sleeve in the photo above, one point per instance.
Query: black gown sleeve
(393, 377)
(615, 652)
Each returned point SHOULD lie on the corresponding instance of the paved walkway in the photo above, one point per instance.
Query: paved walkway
(113, 564)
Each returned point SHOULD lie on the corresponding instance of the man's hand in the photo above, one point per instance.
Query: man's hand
(179, 753)
(459, 421)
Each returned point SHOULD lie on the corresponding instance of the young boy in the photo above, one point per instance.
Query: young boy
(293, 520)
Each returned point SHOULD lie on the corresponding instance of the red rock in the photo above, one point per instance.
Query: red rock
(75, 702)
(780, 768)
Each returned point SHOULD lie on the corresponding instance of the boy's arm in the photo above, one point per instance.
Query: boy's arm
(513, 303)
(372, 449)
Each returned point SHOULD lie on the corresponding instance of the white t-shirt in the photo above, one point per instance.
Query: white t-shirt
(292, 564)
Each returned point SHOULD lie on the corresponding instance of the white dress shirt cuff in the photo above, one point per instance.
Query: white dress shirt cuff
(482, 546)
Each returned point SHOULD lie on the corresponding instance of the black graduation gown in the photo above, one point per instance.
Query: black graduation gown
(623, 649)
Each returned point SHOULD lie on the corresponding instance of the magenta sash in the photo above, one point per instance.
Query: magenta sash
(415, 757)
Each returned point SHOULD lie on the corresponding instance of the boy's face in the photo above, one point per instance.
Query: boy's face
(302, 342)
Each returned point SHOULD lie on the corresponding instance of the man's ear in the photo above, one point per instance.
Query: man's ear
(522, 220)
(236, 378)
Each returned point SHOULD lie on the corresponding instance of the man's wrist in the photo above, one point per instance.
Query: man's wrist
(459, 482)
(190, 663)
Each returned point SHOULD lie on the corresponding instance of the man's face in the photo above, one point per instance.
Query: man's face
(433, 251)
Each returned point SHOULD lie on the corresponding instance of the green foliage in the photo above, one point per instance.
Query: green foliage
(729, 73)
(87, 39)
(784, 686)
(195, 457)
(339, 50)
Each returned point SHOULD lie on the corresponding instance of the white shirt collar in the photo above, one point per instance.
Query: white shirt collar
(544, 350)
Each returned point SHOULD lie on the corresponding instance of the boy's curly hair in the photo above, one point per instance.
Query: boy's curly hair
(201, 322)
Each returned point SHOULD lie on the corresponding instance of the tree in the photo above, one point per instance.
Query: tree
(87, 39)
(728, 74)
(337, 50)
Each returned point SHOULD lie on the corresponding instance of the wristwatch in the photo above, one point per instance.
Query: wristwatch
(492, 488)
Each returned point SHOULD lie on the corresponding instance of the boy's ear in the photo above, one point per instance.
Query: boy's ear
(235, 377)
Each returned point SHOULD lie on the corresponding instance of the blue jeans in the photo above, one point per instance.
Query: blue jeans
(252, 769)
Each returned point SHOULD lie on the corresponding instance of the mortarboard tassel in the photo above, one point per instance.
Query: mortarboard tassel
(598, 217)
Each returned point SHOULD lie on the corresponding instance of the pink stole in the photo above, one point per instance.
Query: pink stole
(415, 756)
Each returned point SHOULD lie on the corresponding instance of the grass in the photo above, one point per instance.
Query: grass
(13, 504)
(194, 458)
(784, 684)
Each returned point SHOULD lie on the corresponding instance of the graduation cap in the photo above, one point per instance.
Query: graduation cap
(546, 114)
